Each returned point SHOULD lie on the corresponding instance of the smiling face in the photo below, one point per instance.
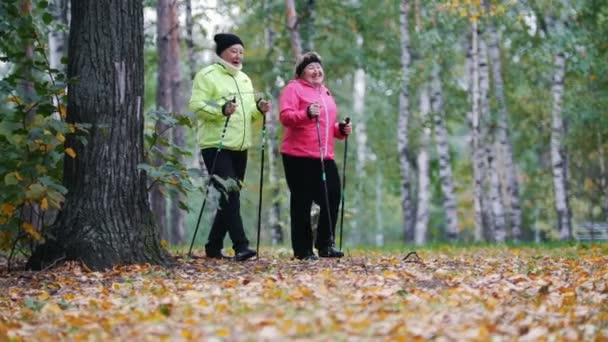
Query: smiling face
(313, 74)
(233, 55)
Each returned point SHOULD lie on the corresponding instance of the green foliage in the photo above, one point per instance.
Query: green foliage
(165, 166)
(32, 126)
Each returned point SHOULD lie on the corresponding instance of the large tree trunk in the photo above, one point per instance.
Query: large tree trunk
(558, 150)
(169, 97)
(476, 136)
(504, 138)
(106, 219)
(407, 205)
(424, 178)
(292, 26)
(443, 152)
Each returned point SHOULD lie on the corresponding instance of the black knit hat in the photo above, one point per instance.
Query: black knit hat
(224, 41)
(305, 59)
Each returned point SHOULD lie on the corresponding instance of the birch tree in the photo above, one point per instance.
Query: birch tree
(424, 179)
(58, 36)
(503, 135)
(403, 121)
(443, 152)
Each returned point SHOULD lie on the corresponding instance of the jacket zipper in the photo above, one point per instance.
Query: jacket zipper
(243, 110)
(326, 123)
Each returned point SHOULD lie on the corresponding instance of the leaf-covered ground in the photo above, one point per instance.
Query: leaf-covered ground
(450, 294)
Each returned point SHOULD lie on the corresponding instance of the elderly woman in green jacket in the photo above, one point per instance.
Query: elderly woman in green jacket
(223, 94)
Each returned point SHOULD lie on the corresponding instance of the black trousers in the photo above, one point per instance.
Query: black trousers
(229, 164)
(304, 178)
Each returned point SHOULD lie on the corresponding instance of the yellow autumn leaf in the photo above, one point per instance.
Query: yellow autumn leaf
(60, 137)
(62, 111)
(164, 244)
(7, 209)
(29, 229)
(70, 152)
(223, 332)
(44, 204)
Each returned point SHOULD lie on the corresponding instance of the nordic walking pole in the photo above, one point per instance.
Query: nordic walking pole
(257, 248)
(324, 178)
(200, 214)
(347, 121)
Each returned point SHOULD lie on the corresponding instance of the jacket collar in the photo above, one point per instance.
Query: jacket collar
(307, 84)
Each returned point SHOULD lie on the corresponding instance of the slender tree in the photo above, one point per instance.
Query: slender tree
(292, 26)
(424, 177)
(106, 219)
(169, 97)
(443, 152)
(403, 121)
(503, 134)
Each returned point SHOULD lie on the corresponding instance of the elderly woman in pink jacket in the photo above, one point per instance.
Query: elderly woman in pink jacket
(305, 103)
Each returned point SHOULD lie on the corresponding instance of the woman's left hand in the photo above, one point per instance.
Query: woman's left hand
(346, 127)
(264, 106)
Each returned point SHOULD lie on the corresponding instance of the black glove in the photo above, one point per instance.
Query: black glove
(342, 125)
(225, 105)
(308, 113)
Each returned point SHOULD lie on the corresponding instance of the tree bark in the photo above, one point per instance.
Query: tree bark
(362, 150)
(477, 148)
(168, 97)
(424, 179)
(558, 150)
(106, 219)
(58, 36)
(189, 39)
(443, 151)
(503, 134)
(272, 129)
(292, 26)
(379, 205)
(603, 175)
(402, 124)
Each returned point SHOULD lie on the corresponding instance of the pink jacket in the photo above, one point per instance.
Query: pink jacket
(300, 137)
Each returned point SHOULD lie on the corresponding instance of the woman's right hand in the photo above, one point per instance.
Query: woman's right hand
(229, 107)
(313, 110)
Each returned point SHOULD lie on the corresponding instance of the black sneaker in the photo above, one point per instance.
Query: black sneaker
(330, 252)
(216, 255)
(245, 254)
(309, 257)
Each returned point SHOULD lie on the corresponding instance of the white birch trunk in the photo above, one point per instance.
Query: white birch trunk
(272, 146)
(603, 176)
(505, 149)
(491, 200)
(362, 150)
(558, 150)
(189, 39)
(443, 151)
(402, 125)
(58, 36)
(379, 205)
(424, 179)
(478, 155)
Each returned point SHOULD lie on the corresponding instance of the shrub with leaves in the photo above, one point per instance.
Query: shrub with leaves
(32, 126)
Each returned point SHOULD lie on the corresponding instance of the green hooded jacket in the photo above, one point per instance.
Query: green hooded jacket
(213, 86)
